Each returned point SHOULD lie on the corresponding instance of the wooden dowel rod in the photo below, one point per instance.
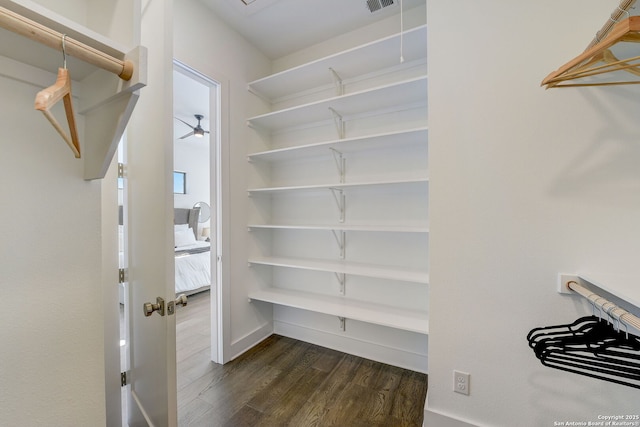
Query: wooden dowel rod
(617, 312)
(45, 35)
(616, 16)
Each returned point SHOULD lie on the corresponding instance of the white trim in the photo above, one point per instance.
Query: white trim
(250, 340)
(218, 305)
(433, 418)
(146, 416)
(369, 350)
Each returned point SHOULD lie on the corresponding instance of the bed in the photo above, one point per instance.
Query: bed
(192, 256)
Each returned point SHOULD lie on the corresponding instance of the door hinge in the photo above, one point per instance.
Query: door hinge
(122, 275)
(121, 170)
(123, 379)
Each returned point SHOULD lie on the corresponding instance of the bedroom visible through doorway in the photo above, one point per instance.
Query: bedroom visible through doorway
(196, 112)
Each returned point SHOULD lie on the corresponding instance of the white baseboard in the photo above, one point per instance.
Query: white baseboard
(251, 339)
(361, 348)
(438, 419)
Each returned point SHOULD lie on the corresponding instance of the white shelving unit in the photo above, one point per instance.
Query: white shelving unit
(350, 268)
(409, 320)
(351, 128)
(347, 145)
(343, 227)
(337, 185)
(408, 92)
(377, 55)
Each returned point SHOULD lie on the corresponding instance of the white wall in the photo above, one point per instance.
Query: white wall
(52, 352)
(193, 159)
(525, 183)
(58, 253)
(205, 43)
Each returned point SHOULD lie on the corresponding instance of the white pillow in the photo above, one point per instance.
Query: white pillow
(184, 237)
(180, 227)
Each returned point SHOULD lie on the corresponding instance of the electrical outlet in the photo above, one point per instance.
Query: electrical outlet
(461, 382)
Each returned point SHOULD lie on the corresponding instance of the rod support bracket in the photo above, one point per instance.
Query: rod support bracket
(563, 282)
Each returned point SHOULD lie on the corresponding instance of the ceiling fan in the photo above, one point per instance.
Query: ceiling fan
(197, 130)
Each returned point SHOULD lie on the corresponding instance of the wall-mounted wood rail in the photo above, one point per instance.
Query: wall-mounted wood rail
(605, 305)
(33, 30)
(616, 16)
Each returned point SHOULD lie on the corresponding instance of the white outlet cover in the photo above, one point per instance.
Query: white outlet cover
(461, 382)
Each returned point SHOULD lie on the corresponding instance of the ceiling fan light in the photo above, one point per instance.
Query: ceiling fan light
(198, 133)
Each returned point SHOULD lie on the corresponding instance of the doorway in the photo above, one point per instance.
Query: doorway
(196, 109)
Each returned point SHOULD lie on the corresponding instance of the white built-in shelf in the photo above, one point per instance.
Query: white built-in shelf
(377, 55)
(403, 95)
(337, 186)
(393, 317)
(398, 138)
(38, 55)
(346, 267)
(345, 227)
(105, 101)
(407, 92)
(622, 286)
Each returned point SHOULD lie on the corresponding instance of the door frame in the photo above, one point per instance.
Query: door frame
(215, 188)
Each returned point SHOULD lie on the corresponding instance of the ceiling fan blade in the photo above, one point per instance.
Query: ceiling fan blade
(184, 122)
(187, 135)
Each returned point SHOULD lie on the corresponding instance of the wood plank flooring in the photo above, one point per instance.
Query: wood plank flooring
(285, 382)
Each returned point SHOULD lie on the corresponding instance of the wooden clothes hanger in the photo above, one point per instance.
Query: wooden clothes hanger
(47, 98)
(583, 65)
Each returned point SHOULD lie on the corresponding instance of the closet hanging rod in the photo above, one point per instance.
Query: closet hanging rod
(605, 305)
(615, 17)
(49, 37)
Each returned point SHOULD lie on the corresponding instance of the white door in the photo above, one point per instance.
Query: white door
(149, 225)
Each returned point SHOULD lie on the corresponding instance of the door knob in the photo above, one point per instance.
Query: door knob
(181, 300)
(149, 308)
(171, 306)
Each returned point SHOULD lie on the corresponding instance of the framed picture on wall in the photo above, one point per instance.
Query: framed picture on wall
(179, 182)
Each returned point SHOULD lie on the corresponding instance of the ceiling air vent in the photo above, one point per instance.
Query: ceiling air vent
(374, 5)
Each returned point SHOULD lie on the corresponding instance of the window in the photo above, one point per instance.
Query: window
(179, 182)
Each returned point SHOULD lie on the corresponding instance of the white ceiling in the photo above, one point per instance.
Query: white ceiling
(190, 97)
(280, 27)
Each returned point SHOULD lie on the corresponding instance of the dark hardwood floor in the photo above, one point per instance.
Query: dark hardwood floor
(285, 382)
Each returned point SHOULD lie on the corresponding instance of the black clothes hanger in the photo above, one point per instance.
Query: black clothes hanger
(544, 332)
(589, 346)
(574, 332)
